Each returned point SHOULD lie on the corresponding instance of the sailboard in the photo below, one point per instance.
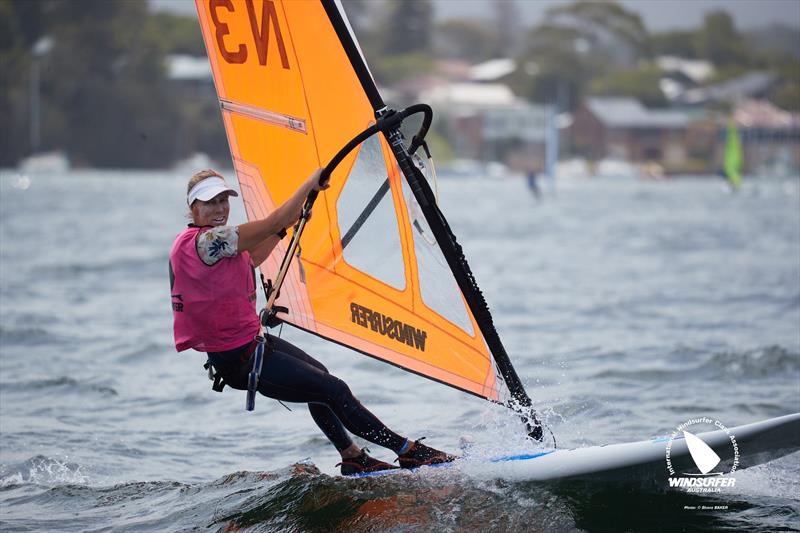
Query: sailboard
(378, 268)
(733, 156)
(643, 462)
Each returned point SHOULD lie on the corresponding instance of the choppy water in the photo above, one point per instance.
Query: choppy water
(627, 307)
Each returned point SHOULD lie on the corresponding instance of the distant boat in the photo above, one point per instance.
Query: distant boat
(616, 168)
(576, 168)
(45, 162)
(733, 156)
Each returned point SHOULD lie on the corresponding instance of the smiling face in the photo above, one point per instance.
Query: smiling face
(213, 212)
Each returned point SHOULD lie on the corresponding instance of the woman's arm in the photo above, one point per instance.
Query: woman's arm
(252, 234)
(260, 253)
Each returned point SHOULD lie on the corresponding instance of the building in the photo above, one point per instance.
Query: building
(682, 75)
(190, 70)
(487, 122)
(622, 128)
(747, 86)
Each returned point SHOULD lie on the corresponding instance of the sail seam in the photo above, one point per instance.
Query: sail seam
(401, 367)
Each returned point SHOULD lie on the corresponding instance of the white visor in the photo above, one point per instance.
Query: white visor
(207, 189)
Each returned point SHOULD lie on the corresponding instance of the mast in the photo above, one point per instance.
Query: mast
(446, 239)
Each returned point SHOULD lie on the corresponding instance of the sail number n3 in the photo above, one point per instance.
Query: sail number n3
(260, 32)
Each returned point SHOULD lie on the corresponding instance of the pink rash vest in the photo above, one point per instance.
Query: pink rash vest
(213, 306)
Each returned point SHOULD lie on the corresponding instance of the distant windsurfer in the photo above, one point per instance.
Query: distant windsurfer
(533, 184)
(214, 310)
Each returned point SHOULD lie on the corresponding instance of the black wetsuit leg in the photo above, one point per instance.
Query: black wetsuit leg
(291, 375)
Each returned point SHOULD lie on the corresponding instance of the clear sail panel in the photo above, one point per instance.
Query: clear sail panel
(368, 225)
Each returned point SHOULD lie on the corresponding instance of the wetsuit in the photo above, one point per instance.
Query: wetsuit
(211, 280)
(291, 375)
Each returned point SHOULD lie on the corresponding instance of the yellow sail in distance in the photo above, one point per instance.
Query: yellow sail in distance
(369, 275)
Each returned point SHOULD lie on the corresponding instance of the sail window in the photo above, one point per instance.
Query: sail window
(367, 220)
(438, 287)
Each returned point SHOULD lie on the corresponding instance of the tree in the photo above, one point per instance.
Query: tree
(465, 39)
(554, 67)
(107, 74)
(574, 44)
(29, 19)
(675, 43)
(720, 43)
(786, 93)
(640, 83)
(506, 28)
(14, 76)
(610, 30)
(407, 28)
(103, 93)
(359, 13)
(401, 44)
(179, 34)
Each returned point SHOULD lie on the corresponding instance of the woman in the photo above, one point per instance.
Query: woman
(214, 308)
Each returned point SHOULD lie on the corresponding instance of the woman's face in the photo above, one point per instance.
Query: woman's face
(213, 212)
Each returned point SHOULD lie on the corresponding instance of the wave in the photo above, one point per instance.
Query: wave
(757, 363)
(754, 364)
(42, 470)
(295, 498)
(26, 336)
(152, 264)
(62, 382)
(300, 498)
(145, 351)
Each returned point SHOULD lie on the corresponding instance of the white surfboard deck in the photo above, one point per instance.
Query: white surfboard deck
(757, 443)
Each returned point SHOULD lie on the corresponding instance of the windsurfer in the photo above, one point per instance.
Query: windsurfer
(214, 309)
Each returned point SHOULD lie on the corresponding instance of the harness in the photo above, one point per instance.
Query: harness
(257, 347)
(256, 351)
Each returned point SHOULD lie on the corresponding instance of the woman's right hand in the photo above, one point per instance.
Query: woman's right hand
(311, 184)
(252, 234)
(313, 181)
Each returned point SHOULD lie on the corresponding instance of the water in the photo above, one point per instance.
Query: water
(627, 308)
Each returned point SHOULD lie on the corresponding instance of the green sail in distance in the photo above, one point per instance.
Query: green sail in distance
(733, 156)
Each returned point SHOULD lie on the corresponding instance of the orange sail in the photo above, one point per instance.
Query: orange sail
(370, 274)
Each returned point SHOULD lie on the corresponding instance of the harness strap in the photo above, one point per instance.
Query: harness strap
(216, 377)
(213, 375)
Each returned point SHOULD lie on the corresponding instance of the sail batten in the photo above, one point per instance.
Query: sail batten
(379, 270)
(271, 117)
